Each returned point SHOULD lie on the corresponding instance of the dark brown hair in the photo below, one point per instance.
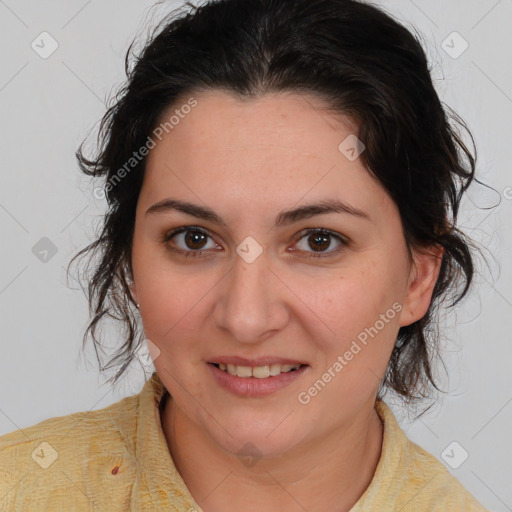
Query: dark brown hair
(364, 64)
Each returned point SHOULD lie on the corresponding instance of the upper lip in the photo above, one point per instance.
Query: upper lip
(259, 361)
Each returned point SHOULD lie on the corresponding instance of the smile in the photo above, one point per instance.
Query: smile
(260, 372)
(256, 381)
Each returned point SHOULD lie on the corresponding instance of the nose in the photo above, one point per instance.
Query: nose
(252, 301)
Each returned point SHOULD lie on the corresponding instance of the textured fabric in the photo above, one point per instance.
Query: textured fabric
(117, 459)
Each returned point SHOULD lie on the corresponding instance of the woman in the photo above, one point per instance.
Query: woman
(283, 185)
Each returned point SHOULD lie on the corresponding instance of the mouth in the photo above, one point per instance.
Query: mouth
(256, 377)
(258, 372)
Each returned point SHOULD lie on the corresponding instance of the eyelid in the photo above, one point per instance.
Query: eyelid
(335, 234)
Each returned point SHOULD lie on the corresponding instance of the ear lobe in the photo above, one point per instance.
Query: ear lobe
(422, 280)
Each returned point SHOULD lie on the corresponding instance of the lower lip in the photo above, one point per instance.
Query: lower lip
(252, 386)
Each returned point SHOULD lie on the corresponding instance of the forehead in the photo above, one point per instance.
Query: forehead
(276, 147)
(288, 120)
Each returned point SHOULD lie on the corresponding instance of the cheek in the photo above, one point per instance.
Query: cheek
(356, 299)
(361, 307)
(172, 306)
(162, 285)
(173, 311)
(171, 296)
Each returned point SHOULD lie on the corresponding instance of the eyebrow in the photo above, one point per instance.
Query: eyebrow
(285, 217)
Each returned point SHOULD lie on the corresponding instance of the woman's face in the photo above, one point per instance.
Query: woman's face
(249, 283)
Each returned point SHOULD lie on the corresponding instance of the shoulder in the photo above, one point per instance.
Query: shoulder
(434, 486)
(410, 479)
(72, 430)
(54, 457)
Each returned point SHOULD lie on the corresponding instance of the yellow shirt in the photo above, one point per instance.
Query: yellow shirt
(117, 459)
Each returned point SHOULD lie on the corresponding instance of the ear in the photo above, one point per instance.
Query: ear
(422, 279)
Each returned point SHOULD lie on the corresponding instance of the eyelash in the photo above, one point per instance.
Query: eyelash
(300, 236)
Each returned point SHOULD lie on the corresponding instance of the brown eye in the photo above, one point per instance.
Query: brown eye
(189, 241)
(195, 239)
(319, 241)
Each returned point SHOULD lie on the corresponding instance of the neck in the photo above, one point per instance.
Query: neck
(330, 473)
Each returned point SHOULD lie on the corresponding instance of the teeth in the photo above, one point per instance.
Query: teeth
(275, 369)
(243, 371)
(260, 372)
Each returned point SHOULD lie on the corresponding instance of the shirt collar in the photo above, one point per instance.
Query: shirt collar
(391, 461)
(162, 485)
(159, 483)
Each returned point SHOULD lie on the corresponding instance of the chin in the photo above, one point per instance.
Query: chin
(256, 436)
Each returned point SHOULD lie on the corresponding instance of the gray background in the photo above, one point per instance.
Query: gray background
(48, 105)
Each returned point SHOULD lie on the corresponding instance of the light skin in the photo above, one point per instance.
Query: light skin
(249, 161)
